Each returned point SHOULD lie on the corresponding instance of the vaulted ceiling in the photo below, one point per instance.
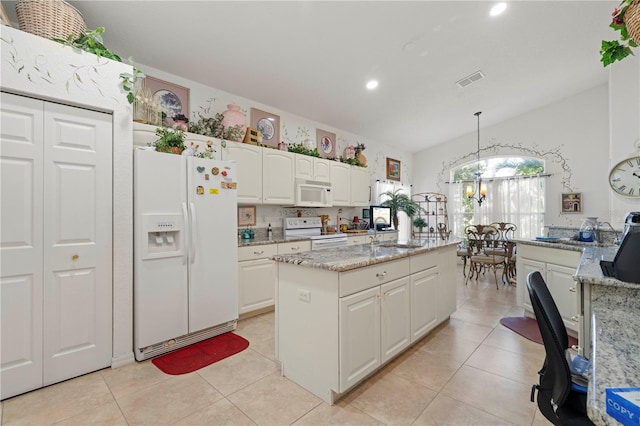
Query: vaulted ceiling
(313, 58)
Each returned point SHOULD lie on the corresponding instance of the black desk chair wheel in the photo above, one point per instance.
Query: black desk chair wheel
(559, 399)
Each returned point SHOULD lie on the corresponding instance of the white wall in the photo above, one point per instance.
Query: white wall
(571, 134)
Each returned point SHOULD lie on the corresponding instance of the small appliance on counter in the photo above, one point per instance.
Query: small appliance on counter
(625, 265)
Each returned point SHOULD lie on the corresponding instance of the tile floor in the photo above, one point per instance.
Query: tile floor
(470, 370)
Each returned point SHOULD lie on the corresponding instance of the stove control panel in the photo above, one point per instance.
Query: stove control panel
(302, 222)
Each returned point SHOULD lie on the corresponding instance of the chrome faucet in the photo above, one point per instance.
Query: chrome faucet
(375, 229)
(599, 228)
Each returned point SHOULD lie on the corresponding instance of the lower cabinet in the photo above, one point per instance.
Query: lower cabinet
(424, 309)
(256, 277)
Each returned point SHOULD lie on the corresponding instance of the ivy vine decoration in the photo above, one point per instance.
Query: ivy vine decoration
(91, 41)
(299, 148)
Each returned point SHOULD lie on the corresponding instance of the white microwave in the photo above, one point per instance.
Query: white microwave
(313, 194)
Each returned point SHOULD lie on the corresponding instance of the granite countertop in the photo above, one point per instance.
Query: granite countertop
(564, 244)
(352, 257)
(279, 238)
(616, 325)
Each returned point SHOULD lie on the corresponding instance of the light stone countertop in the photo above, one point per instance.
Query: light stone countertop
(277, 237)
(358, 256)
(563, 244)
(616, 326)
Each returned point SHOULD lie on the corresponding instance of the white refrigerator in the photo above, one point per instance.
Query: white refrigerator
(185, 251)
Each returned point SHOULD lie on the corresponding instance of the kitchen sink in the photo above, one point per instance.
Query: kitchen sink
(398, 245)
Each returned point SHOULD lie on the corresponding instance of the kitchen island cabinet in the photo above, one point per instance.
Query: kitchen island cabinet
(341, 314)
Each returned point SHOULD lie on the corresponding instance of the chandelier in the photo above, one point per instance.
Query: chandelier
(479, 193)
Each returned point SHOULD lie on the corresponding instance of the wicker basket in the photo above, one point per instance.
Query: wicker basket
(50, 18)
(632, 21)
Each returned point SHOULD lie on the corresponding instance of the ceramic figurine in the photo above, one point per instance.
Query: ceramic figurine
(349, 152)
(283, 146)
(180, 122)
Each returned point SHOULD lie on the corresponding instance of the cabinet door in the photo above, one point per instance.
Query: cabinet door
(526, 267)
(278, 177)
(321, 170)
(446, 294)
(21, 252)
(257, 284)
(340, 184)
(294, 247)
(360, 186)
(304, 167)
(395, 315)
(423, 302)
(249, 168)
(564, 291)
(77, 241)
(359, 336)
(360, 239)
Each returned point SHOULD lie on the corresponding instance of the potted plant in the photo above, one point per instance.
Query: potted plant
(626, 19)
(419, 223)
(171, 140)
(399, 202)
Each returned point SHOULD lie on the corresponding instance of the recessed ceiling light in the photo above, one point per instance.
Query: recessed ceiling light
(498, 9)
(372, 84)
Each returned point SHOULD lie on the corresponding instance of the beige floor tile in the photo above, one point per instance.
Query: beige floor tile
(234, 373)
(107, 414)
(540, 420)
(504, 338)
(168, 401)
(444, 410)
(512, 365)
(340, 413)
(133, 377)
(265, 347)
(506, 399)
(274, 400)
(427, 369)
(514, 311)
(469, 331)
(220, 412)
(391, 399)
(482, 316)
(256, 328)
(57, 402)
(453, 346)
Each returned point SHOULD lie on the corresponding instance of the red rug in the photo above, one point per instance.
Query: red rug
(201, 354)
(528, 328)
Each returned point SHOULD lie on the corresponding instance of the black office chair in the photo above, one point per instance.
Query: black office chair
(560, 400)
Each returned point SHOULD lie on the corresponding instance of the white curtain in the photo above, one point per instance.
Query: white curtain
(515, 200)
(404, 225)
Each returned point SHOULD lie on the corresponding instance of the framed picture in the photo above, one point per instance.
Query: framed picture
(326, 143)
(393, 169)
(572, 202)
(365, 213)
(4, 18)
(246, 215)
(269, 126)
(172, 98)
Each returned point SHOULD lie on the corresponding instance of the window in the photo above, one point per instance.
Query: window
(515, 193)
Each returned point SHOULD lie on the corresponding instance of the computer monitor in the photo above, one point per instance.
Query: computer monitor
(380, 217)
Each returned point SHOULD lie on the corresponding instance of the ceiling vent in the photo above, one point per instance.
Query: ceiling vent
(470, 79)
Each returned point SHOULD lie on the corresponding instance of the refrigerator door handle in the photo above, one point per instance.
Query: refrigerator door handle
(192, 256)
(187, 229)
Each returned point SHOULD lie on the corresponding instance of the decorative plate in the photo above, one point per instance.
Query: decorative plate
(169, 102)
(326, 145)
(266, 128)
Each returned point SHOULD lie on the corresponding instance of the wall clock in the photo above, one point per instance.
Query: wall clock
(625, 177)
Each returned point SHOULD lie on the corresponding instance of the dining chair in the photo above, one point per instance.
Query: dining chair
(560, 400)
(485, 251)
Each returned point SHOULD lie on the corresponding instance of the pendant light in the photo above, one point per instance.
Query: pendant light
(479, 193)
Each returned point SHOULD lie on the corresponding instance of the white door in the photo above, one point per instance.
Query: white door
(424, 302)
(257, 284)
(21, 244)
(359, 336)
(249, 161)
(278, 171)
(213, 274)
(564, 291)
(77, 241)
(340, 184)
(526, 267)
(395, 316)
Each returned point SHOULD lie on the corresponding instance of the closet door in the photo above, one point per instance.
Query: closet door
(77, 241)
(20, 244)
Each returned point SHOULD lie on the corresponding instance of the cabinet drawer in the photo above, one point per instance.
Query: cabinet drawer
(294, 247)
(568, 258)
(424, 261)
(257, 252)
(361, 279)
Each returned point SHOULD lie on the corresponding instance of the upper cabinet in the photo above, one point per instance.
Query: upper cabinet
(278, 171)
(341, 184)
(249, 165)
(312, 168)
(360, 189)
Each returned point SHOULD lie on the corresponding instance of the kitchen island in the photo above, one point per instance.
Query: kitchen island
(343, 313)
(615, 321)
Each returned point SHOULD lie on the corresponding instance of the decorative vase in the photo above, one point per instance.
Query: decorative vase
(234, 117)
(632, 21)
(350, 152)
(283, 146)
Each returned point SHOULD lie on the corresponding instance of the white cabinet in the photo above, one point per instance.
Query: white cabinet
(249, 169)
(256, 277)
(395, 321)
(278, 171)
(56, 243)
(145, 135)
(557, 267)
(424, 314)
(389, 236)
(360, 187)
(358, 239)
(340, 184)
(313, 168)
(294, 247)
